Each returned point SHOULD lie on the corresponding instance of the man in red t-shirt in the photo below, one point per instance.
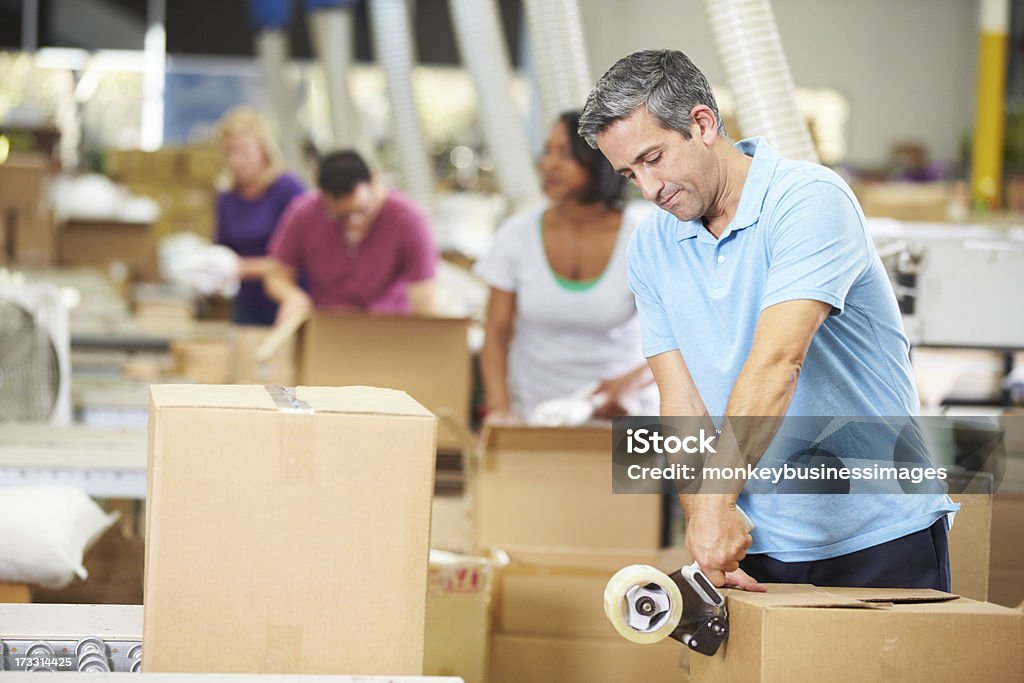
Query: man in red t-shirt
(359, 245)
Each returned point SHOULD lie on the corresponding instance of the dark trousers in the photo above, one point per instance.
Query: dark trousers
(918, 560)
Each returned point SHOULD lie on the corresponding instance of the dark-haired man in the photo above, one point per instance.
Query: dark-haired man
(360, 246)
(760, 294)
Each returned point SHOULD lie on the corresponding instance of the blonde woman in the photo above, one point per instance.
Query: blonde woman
(248, 212)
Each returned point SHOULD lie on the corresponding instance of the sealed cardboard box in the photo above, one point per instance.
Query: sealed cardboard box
(1006, 577)
(969, 545)
(458, 627)
(797, 633)
(287, 531)
(541, 659)
(278, 369)
(427, 357)
(542, 486)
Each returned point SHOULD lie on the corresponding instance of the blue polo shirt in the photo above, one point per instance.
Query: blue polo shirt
(798, 233)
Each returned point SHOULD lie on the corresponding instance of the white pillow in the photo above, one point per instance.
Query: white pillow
(45, 531)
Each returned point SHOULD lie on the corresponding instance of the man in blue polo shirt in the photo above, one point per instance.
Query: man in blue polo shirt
(760, 294)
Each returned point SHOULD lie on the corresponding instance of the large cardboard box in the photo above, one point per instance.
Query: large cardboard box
(1006, 577)
(427, 357)
(797, 633)
(102, 243)
(458, 627)
(542, 486)
(549, 621)
(287, 532)
(969, 542)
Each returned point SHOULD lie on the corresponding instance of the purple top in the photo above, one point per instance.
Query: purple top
(245, 225)
(370, 276)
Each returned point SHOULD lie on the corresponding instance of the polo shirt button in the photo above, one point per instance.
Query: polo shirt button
(721, 259)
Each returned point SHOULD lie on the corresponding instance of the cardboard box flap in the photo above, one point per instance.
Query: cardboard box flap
(590, 437)
(794, 595)
(805, 595)
(356, 400)
(895, 596)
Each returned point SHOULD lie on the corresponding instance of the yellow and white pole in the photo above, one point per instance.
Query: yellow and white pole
(989, 105)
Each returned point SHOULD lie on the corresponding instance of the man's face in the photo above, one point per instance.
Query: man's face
(352, 211)
(675, 173)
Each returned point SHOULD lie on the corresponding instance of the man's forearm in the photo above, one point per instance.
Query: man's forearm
(279, 284)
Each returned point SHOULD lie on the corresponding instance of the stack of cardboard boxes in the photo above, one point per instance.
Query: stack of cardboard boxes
(543, 502)
(181, 180)
(27, 232)
(182, 183)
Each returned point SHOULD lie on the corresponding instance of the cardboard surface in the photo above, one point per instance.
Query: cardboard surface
(427, 357)
(307, 524)
(203, 361)
(15, 593)
(1006, 576)
(969, 543)
(553, 487)
(23, 180)
(101, 243)
(28, 237)
(458, 626)
(798, 633)
(451, 524)
(539, 659)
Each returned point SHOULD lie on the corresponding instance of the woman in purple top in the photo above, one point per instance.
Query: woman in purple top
(248, 213)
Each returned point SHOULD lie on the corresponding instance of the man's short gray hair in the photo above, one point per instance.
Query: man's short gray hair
(664, 81)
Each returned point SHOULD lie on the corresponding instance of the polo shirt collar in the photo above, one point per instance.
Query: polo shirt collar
(765, 159)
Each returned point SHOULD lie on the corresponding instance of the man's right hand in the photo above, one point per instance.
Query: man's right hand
(296, 304)
(718, 539)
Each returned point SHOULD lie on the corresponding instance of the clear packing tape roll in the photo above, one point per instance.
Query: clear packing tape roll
(643, 583)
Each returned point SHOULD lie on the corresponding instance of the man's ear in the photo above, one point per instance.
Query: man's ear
(706, 122)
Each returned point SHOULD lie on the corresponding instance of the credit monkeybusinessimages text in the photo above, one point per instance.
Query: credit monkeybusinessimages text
(646, 442)
(788, 472)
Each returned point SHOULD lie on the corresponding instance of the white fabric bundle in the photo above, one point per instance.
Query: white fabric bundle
(188, 259)
(44, 533)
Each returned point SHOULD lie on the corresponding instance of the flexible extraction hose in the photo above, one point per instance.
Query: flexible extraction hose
(394, 46)
(271, 19)
(482, 47)
(331, 25)
(750, 49)
(559, 55)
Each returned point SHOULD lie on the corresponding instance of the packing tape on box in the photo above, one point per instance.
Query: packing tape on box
(296, 434)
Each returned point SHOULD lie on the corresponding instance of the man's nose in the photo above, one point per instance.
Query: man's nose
(649, 186)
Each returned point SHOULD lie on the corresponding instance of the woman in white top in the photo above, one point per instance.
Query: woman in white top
(561, 316)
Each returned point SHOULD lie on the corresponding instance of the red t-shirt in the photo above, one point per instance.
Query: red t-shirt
(370, 276)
